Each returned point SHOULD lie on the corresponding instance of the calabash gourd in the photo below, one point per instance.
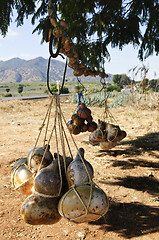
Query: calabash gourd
(38, 210)
(112, 132)
(35, 157)
(78, 171)
(107, 145)
(22, 177)
(84, 203)
(48, 181)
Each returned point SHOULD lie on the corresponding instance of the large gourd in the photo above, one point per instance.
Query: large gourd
(84, 203)
(37, 210)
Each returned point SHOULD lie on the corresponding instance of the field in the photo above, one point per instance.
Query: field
(128, 173)
(40, 88)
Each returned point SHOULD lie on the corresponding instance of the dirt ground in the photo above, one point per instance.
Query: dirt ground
(128, 174)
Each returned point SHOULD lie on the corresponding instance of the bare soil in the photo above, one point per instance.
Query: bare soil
(128, 174)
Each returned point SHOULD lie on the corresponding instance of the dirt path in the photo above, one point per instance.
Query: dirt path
(128, 174)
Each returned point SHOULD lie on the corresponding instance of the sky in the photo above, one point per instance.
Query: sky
(20, 42)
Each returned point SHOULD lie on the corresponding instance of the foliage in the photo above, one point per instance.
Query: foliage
(53, 87)
(78, 88)
(115, 22)
(7, 89)
(121, 79)
(113, 87)
(7, 95)
(65, 90)
(20, 88)
(121, 99)
(94, 99)
(154, 84)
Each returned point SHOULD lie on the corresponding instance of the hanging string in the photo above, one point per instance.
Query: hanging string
(40, 131)
(107, 113)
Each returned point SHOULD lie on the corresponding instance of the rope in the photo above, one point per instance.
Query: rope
(40, 130)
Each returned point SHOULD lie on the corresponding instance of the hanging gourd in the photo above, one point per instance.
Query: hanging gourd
(21, 177)
(88, 203)
(82, 120)
(63, 24)
(58, 31)
(39, 156)
(107, 135)
(47, 181)
(38, 210)
(77, 170)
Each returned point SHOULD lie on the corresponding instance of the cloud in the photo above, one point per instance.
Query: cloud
(10, 34)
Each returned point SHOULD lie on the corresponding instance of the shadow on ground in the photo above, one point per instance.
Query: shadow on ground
(144, 184)
(130, 219)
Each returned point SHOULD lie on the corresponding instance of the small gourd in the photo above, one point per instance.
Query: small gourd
(89, 119)
(107, 145)
(84, 112)
(77, 121)
(22, 177)
(35, 157)
(78, 171)
(38, 210)
(63, 24)
(84, 127)
(120, 136)
(91, 126)
(74, 129)
(99, 135)
(112, 132)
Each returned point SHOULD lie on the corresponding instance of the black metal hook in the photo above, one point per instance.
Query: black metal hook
(54, 55)
(64, 75)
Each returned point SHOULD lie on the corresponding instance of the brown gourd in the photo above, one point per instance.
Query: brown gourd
(78, 171)
(38, 210)
(35, 157)
(21, 177)
(83, 203)
(48, 181)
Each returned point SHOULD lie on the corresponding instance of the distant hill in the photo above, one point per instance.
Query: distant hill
(18, 70)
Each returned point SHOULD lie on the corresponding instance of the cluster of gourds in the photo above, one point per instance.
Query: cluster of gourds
(81, 121)
(56, 189)
(67, 48)
(106, 135)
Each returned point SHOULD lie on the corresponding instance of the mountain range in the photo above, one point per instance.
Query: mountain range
(18, 70)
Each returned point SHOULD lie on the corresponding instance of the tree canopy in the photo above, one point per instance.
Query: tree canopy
(93, 25)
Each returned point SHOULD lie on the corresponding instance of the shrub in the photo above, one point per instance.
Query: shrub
(78, 88)
(112, 87)
(20, 89)
(65, 90)
(8, 95)
(7, 89)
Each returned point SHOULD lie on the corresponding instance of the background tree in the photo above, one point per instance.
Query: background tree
(20, 88)
(7, 89)
(154, 84)
(93, 25)
(121, 80)
(113, 87)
